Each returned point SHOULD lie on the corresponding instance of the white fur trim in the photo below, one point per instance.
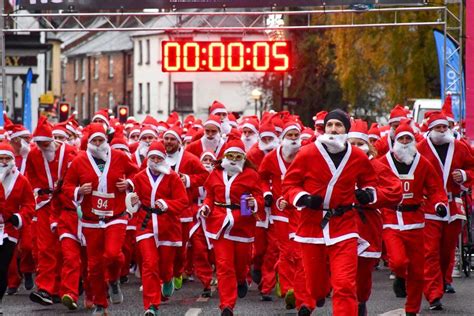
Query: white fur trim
(374, 136)
(234, 149)
(59, 132)
(170, 131)
(219, 110)
(396, 119)
(120, 146)
(212, 122)
(289, 128)
(438, 122)
(42, 139)
(268, 134)
(147, 132)
(359, 135)
(250, 126)
(403, 134)
(97, 134)
(7, 153)
(20, 133)
(156, 152)
(100, 116)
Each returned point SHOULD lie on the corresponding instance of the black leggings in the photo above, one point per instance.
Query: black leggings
(6, 254)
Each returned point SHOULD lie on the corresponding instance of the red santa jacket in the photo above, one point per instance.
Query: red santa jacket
(168, 190)
(457, 157)
(16, 198)
(197, 148)
(389, 195)
(421, 180)
(313, 172)
(255, 155)
(20, 163)
(106, 200)
(195, 174)
(226, 221)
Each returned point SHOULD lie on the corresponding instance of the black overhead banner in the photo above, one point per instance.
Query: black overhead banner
(94, 5)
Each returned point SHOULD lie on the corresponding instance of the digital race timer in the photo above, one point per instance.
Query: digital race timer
(185, 56)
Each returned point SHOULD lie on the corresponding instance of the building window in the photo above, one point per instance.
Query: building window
(140, 51)
(148, 100)
(84, 67)
(183, 97)
(85, 112)
(129, 64)
(96, 68)
(96, 102)
(128, 101)
(76, 69)
(111, 100)
(76, 101)
(147, 51)
(111, 66)
(63, 71)
(140, 98)
(159, 93)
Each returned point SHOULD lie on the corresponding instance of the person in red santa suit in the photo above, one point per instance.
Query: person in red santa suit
(218, 109)
(45, 168)
(233, 202)
(403, 229)
(328, 226)
(97, 180)
(385, 144)
(280, 251)
(158, 191)
(147, 136)
(454, 164)
(212, 140)
(17, 205)
(319, 122)
(20, 139)
(389, 195)
(202, 253)
(192, 174)
(249, 129)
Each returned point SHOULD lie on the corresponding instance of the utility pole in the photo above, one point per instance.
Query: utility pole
(2, 62)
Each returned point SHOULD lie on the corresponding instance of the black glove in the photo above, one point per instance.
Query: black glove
(441, 210)
(310, 201)
(15, 220)
(364, 196)
(268, 200)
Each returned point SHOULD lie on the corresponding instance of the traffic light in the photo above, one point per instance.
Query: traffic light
(122, 113)
(64, 110)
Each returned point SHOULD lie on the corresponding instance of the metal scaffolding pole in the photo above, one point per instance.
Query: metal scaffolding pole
(2, 62)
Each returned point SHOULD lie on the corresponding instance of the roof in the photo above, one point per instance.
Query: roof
(102, 43)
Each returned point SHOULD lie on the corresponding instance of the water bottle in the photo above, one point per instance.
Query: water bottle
(244, 207)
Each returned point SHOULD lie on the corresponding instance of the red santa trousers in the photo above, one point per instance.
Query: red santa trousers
(180, 257)
(167, 255)
(150, 272)
(49, 254)
(270, 260)
(201, 258)
(232, 263)
(303, 296)
(71, 268)
(104, 255)
(23, 252)
(14, 277)
(441, 239)
(343, 266)
(286, 261)
(259, 247)
(365, 267)
(406, 259)
(128, 250)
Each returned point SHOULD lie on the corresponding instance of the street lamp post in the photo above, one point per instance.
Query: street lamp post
(256, 95)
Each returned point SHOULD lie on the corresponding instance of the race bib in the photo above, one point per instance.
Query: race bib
(103, 204)
(2, 231)
(407, 185)
(460, 205)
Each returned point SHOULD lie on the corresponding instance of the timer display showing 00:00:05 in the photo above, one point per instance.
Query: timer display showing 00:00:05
(201, 56)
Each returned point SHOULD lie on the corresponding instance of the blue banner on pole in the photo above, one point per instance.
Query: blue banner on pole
(27, 103)
(452, 71)
(2, 121)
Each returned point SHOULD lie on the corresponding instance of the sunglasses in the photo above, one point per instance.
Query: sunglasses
(235, 156)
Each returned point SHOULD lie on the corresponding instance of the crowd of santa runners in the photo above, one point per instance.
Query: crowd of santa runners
(300, 213)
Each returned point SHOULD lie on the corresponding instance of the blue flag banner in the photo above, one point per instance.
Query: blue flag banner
(27, 102)
(451, 74)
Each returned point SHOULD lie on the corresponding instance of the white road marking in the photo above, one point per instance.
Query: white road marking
(193, 312)
(395, 312)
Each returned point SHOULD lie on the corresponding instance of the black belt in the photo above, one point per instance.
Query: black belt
(338, 211)
(408, 208)
(231, 206)
(104, 219)
(149, 211)
(44, 191)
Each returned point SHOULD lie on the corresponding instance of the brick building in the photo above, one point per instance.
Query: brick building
(98, 73)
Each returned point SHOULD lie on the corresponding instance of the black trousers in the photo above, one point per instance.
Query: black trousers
(6, 254)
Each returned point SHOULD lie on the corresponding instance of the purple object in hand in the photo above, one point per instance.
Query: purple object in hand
(244, 207)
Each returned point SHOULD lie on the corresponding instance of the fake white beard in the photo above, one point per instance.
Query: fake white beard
(364, 148)
(161, 167)
(226, 127)
(209, 167)
(131, 141)
(290, 147)
(172, 159)
(391, 133)
(99, 152)
(335, 143)
(25, 148)
(404, 153)
(232, 167)
(211, 144)
(50, 152)
(5, 170)
(439, 138)
(143, 148)
(270, 146)
(249, 141)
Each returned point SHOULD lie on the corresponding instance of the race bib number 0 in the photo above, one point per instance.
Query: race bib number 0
(2, 231)
(460, 205)
(103, 204)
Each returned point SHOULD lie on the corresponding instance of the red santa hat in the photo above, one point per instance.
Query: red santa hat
(147, 130)
(207, 153)
(189, 135)
(43, 131)
(437, 118)
(61, 130)
(6, 149)
(17, 130)
(176, 132)
(135, 129)
(102, 114)
(250, 123)
(307, 133)
(198, 124)
(4, 134)
(288, 127)
(131, 121)
(157, 148)
(189, 120)
(173, 118)
(217, 107)
(96, 130)
(150, 120)
(319, 117)
(397, 114)
(404, 129)
(232, 120)
(374, 131)
(162, 127)
(448, 108)
(234, 144)
(213, 120)
(72, 125)
(359, 129)
(267, 129)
